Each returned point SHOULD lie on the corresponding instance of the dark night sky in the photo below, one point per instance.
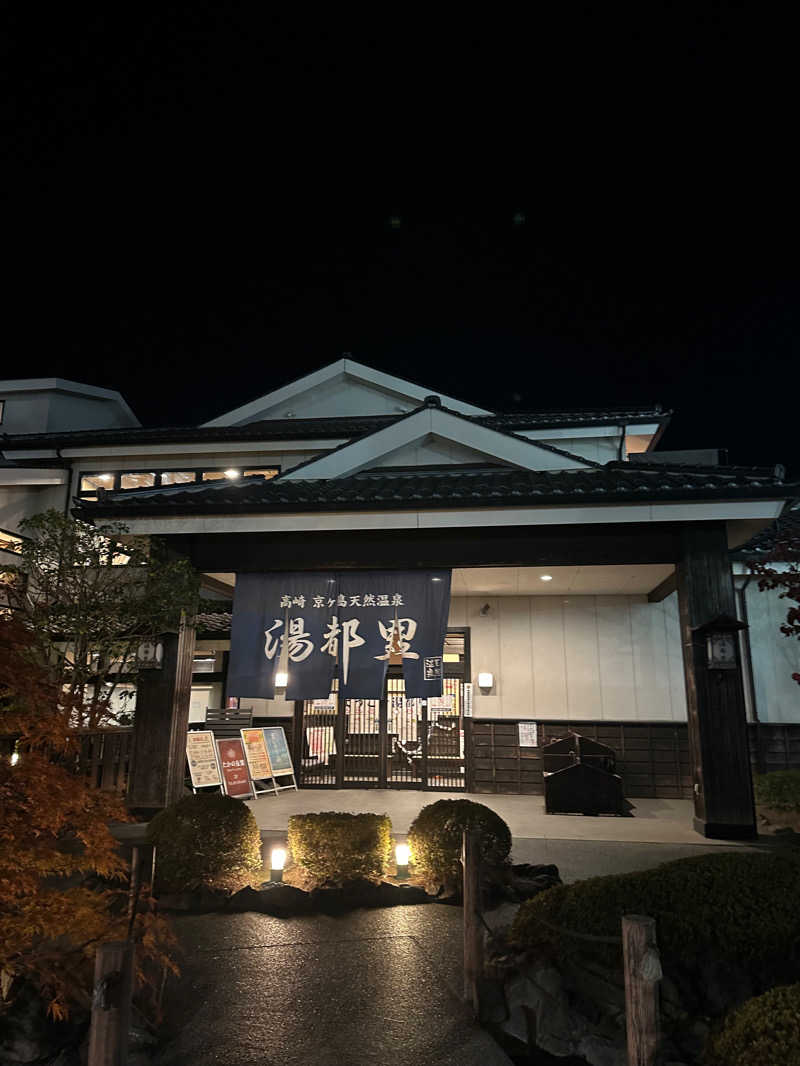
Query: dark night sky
(200, 201)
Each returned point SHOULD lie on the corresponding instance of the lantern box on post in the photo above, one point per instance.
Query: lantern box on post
(720, 635)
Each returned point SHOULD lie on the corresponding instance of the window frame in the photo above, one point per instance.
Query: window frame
(116, 475)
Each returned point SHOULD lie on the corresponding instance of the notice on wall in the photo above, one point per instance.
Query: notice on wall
(440, 703)
(326, 706)
(279, 757)
(234, 767)
(202, 758)
(468, 700)
(255, 750)
(528, 734)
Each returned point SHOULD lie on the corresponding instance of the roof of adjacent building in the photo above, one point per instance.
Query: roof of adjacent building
(483, 485)
(338, 428)
(785, 527)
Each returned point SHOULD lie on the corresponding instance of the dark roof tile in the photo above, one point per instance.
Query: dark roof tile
(448, 487)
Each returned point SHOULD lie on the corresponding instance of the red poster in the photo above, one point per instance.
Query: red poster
(234, 767)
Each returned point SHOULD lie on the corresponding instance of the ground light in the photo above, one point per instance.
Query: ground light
(401, 855)
(277, 861)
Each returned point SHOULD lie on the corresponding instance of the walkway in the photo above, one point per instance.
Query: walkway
(371, 988)
(655, 821)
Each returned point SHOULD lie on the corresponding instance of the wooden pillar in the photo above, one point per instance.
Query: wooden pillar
(111, 1004)
(642, 967)
(160, 723)
(473, 932)
(718, 743)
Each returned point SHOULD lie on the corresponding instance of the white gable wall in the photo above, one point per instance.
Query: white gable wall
(431, 449)
(337, 398)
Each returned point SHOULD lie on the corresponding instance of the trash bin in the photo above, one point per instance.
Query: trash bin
(580, 778)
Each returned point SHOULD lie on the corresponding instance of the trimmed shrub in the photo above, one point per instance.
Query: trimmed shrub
(762, 1032)
(435, 841)
(740, 907)
(207, 840)
(779, 789)
(334, 847)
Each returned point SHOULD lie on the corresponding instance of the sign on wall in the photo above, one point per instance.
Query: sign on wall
(468, 700)
(528, 734)
(234, 767)
(315, 625)
(202, 758)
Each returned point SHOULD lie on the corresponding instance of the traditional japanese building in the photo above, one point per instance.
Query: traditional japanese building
(588, 571)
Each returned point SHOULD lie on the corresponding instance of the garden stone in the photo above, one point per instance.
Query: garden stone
(363, 893)
(198, 901)
(274, 898)
(599, 1051)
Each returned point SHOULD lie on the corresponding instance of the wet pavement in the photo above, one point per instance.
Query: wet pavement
(372, 987)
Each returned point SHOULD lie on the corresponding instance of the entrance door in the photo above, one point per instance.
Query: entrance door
(389, 743)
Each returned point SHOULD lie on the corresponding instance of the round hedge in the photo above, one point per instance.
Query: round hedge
(739, 906)
(779, 789)
(764, 1031)
(435, 840)
(206, 840)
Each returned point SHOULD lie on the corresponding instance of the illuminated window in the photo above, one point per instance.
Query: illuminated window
(267, 472)
(10, 542)
(178, 477)
(137, 481)
(2, 410)
(213, 475)
(93, 482)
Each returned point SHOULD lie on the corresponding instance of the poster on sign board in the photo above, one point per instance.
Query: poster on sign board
(202, 758)
(278, 749)
(234, 767)
(256, 753)
(528, 734)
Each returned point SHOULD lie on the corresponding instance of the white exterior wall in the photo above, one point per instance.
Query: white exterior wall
(588, 657)
(774, 657)
(24, 501)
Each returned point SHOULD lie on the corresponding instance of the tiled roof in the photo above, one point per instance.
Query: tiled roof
(319, 428)
(787, 525)
(451, 486)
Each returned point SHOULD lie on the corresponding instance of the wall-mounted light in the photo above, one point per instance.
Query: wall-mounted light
(485, 680)
(485, 609)
(14, 758)
(232, 474)
(281, 679)
(277, 861)
(402, 853)
(545, 577)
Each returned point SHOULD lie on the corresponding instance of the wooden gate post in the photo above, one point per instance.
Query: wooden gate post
(473, 933)
(642, 966)
(111, 1004)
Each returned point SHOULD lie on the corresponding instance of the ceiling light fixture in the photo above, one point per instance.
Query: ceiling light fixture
(545, 577)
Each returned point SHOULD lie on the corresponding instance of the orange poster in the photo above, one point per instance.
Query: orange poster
(256, 753)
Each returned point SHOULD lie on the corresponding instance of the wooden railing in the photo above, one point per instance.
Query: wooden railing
(103, 758)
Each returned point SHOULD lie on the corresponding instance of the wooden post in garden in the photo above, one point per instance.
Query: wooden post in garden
(473, 932)
(111, 1004)
(642, 966)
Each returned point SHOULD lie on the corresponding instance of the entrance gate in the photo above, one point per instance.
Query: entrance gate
(392, 742)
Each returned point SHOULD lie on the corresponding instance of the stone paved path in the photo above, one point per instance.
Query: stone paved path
(374, 987)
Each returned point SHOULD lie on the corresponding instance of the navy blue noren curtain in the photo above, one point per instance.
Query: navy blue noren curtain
(357, 619)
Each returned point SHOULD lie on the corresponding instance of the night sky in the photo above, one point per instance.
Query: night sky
(537, 213)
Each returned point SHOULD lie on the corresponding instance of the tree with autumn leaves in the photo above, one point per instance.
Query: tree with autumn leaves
(76, 613)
